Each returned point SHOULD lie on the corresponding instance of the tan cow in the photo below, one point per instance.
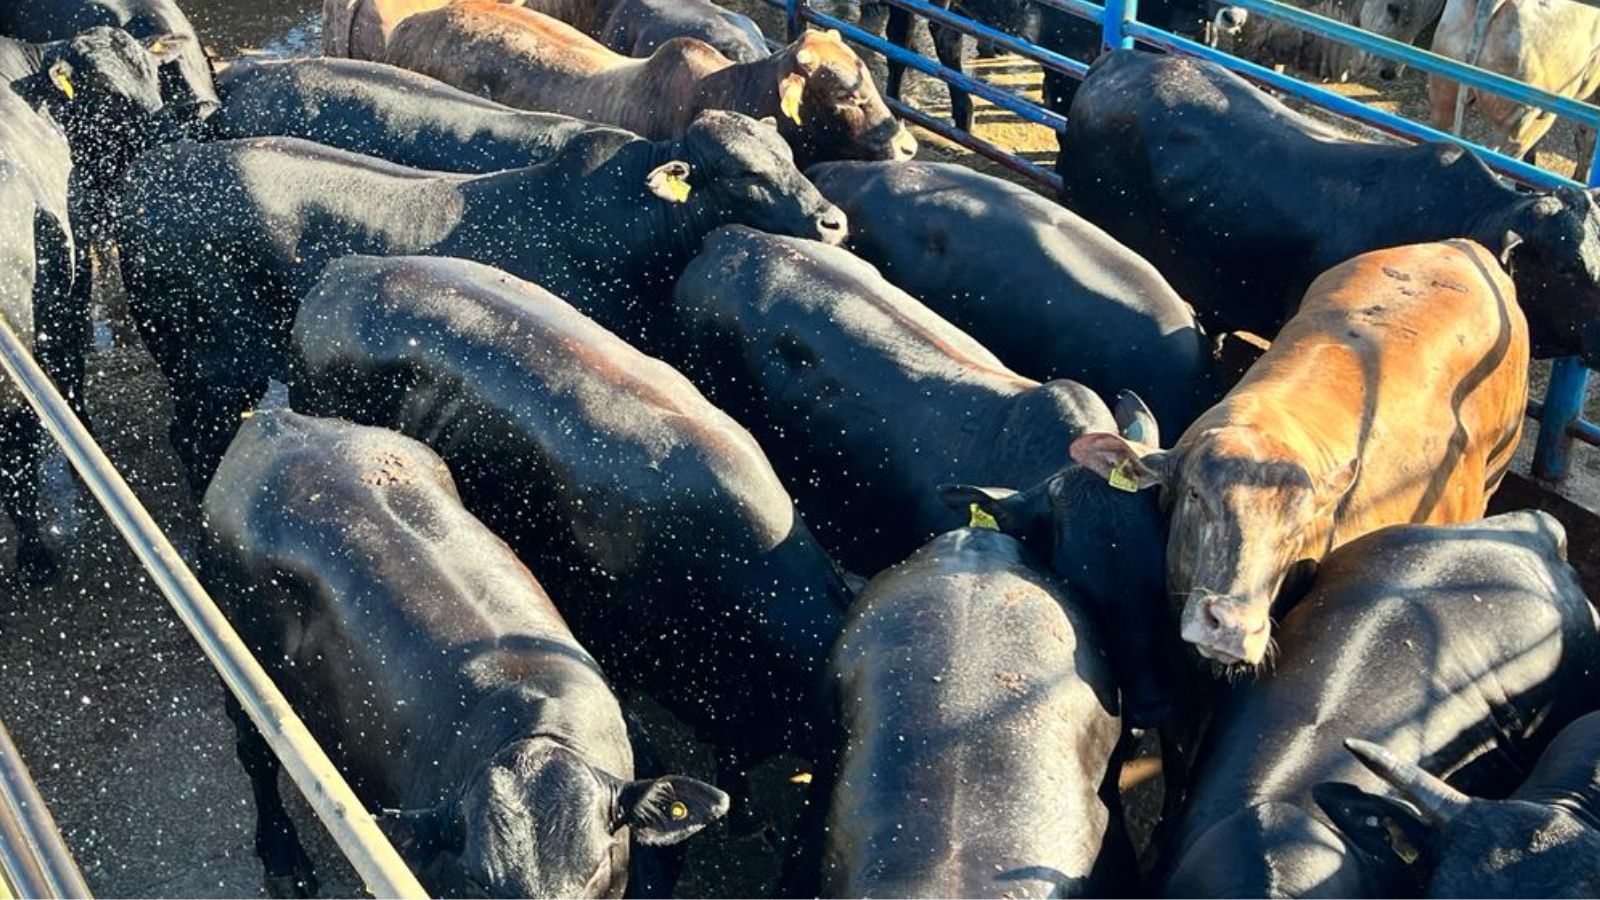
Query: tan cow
(1550, 44)
(1396, 394)
(817, 88)
(359, 29)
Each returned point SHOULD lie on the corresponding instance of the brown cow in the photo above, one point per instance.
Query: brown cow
(1395, 395)
(819, 90)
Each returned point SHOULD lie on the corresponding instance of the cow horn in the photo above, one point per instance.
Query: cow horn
(1437, 801)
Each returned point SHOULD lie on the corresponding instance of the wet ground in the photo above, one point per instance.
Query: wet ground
(119, 716)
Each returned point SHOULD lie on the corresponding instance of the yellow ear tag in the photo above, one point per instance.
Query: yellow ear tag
(1122, 477)
(789, 92)
(678, 188)
(1402, 847)
(65, 84)
(678, 811)
(981, 519)
(157, 48)
(800, 778)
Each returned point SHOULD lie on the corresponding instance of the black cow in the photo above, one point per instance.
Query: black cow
(185, 71)
(654, 517)
(36, 277)
(431, 665)
(981, 735)
(1242, 202)
(1464, 648)
(867, 399)
(638, 27)
(1050, 27)
(1049, 293)
(378, 110)
(222, 239)
(1542, 841)
(868, 403)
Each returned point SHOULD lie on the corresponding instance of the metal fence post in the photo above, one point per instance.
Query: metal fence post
(1563, 404)
(1118, 13)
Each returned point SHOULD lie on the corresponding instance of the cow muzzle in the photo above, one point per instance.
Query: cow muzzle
(832, 226)
(903, 145)
(1226, 630)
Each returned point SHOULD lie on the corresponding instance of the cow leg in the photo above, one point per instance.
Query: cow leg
(205, 417)
(947, 45)
(289, 872)
(1442, 102)
(1584, 137)
(21, 449)
(897, 31)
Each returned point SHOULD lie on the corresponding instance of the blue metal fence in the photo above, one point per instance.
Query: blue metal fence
(1559, 414)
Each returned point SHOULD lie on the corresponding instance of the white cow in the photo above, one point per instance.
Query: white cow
(1551, 44)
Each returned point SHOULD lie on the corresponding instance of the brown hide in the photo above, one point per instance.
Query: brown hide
(524, 59)
(360, 29)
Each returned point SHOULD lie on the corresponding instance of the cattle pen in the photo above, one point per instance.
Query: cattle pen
(34, 860)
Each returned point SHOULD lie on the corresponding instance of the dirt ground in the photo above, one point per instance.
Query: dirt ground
(119, 716)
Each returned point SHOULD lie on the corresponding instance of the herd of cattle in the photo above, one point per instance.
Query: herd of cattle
(580, 311)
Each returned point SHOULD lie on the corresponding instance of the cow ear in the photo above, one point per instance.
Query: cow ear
(667, 810)
(669, 181)
(61, 76)
(1135, 421)
(165, 47)
(1016, 514)
(1124, 465)
(790, 89)
(769, 121)
(1332, 487)
(1384, 829)
(421, 833)
(1508, 243)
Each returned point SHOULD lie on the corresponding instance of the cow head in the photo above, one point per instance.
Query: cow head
(103, 88)
(1457, 845)
(1241, 511)
(739, 171)
(1110, 548)
(539, 821)
(1551, 245)
(829, 107)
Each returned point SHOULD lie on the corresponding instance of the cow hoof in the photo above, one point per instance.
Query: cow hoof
(302, 885)
(35, 568)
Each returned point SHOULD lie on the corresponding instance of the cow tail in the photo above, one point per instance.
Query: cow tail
(1480, 32)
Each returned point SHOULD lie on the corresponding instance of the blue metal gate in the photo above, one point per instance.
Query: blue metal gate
(1559, 414)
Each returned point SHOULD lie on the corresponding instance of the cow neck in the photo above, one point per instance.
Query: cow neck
(507, 715)
(750, 88)
(681, 227)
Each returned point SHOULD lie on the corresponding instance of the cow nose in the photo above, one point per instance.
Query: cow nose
(1226, 630)
(832, 227)
(904, 145)
(1387, 73)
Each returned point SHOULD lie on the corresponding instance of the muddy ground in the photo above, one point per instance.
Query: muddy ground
(119, 716)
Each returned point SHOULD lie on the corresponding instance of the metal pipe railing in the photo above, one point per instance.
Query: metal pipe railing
(1049, 59)
(34, 860)
(1426, 60)
(346, 819)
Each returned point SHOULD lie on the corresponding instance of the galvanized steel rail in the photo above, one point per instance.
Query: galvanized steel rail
(1559, 415)
(324, 788)
(34, 860)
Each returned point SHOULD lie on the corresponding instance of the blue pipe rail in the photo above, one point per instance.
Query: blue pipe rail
(1560, 415)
